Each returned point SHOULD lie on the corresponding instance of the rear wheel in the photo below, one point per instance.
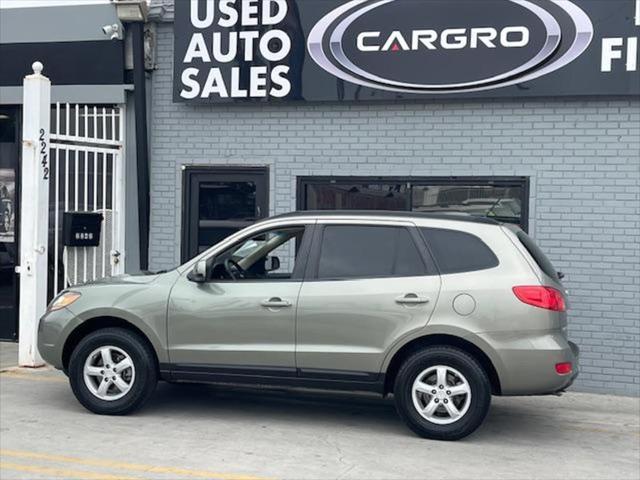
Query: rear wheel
(112, 371)
(442, 393)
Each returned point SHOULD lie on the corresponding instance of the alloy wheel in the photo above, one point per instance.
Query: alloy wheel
(109, 373)
(441, 394)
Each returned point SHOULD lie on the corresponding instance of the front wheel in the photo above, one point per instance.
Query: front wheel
(112, 371)
(442, 393)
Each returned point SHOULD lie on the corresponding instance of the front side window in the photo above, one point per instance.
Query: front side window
(353, 251)
(269, 255)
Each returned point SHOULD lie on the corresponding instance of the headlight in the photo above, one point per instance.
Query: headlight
(63, 300)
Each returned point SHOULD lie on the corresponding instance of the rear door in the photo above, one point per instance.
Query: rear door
(367, 284)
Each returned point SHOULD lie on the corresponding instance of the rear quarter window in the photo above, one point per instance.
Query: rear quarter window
(457, 252)
(538, 255)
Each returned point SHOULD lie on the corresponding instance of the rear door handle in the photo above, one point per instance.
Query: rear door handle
(275, 302)
(411, 299)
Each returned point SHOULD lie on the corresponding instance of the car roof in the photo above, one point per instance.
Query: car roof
(453, 216)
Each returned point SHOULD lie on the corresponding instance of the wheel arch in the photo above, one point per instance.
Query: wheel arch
(98, 323)
(441, 339)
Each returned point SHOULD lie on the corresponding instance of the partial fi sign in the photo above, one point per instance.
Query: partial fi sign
(331, 50)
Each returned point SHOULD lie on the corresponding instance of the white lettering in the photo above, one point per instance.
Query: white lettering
(248, 38)
(632, 54)
(197, 49)
(485, 35)
(522, 31)
(395, 42)
(459, 38)
(279, 79)
(236, 91)
(363, 47)
(281, 39)
(196, 21)
(281, 12)
(258, 84)
(232, 51)
(449, 39)
(424, 37)
(228, 14)
(188, 80)
(610, 52)
(214, 85)
(249, 13)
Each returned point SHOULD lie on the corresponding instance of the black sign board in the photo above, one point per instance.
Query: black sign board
(363, 50)
(81, 229)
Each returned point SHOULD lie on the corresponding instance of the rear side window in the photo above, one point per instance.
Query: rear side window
(350, 251)
(457, 252)
(538, 255)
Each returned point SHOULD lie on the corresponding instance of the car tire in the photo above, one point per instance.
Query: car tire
(429, 410)
(126, 390)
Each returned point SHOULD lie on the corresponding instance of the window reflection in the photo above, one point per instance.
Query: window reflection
(501, 203)
(377, 196)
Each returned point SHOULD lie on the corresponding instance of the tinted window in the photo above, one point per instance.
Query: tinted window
(368, 251)
(500, 203)
(538, 255)
(457, 252)
(356, 196)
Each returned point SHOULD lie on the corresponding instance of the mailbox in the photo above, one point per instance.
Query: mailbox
(81, 229)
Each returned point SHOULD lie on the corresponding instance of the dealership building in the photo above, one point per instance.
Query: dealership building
(527, 112)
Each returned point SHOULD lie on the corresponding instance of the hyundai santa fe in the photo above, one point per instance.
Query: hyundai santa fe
(441, 310)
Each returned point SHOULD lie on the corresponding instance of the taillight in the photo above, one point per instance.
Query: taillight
(564, 368)
(542, 297)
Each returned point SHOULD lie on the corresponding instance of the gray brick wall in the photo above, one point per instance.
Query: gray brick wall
(582, 155)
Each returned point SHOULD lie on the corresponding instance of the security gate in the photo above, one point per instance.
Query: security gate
(87, 175)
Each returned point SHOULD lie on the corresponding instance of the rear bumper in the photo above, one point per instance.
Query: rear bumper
(528, 362)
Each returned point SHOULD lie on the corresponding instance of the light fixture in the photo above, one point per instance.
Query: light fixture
(132, 10)
(112, 31)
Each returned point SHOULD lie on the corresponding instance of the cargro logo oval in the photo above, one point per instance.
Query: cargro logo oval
(445, 46)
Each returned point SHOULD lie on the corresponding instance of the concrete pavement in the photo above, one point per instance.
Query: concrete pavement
(8, 354)
(234, 433)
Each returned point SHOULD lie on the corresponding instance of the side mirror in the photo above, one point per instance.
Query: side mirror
(199, 272)
(272, 264)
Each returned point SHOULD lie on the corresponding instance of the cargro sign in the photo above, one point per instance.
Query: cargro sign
(332, 50)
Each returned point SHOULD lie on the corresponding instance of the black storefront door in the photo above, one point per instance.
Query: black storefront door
(220, 201)
(9, 154)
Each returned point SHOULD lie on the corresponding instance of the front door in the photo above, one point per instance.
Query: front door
(9, 154)
(242, 319)
(220, 201)
(367, 286)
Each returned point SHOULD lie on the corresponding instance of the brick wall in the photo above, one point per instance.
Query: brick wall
(582, 155)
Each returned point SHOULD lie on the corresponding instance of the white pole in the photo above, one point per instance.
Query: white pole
(34, 206)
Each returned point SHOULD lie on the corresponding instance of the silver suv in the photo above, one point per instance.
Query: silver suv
(442, 311)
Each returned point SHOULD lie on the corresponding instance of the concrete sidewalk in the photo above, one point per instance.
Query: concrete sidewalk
(8, 355)
(234, 433)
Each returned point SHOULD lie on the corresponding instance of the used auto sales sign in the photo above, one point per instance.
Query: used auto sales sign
(332, 50)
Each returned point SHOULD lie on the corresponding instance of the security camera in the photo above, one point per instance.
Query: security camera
(112, 31)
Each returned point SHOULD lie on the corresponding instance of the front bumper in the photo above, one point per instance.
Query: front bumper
(528, 362)
(52, 332)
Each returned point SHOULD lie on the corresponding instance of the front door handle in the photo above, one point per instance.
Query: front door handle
(411, 299)
(275, 302)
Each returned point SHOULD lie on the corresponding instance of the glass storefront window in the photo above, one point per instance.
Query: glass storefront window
(353, 196)
(502, 203)
(501, 198)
